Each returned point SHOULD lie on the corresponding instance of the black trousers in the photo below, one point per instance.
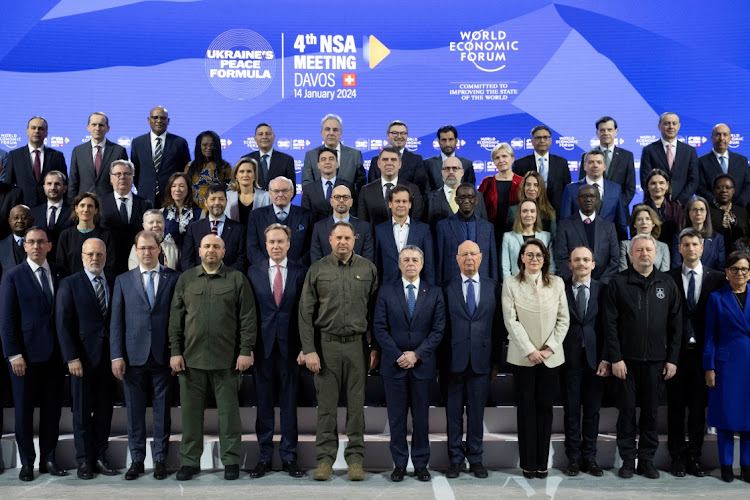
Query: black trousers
(641, 385)
(581, 387)
(535, 391)
(687, 390)
(92, 411)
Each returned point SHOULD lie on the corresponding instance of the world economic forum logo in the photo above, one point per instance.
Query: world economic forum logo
(240, 64)
(485, 49)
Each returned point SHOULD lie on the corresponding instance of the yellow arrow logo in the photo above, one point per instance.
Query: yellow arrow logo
(375, 51)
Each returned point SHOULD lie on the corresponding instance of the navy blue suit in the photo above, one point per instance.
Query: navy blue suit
(138, 334)
(282, 165)
(571, 233)
(27, 327)
(276, 350)
(386, 251)
(9, 197)
(397, 331)
(175, 157)
(19, 171)
(53, 233)
(299, 221)
(470, 346)
(450, 234)
(123, 233)
(736, 167)
(233, 234)
(580, 385)
(412, 170)
(363, 244)
(685, 174)
(314, 199)
(11, 254)
(83, 332)
(611, 207)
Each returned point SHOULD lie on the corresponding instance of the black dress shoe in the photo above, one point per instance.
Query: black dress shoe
(646, 469)
(453, 471)
(541, 474)
(627, 470)
(292, 469)
(260, 470)
(592, 467)
(27, 473)
(727, 473)
(52, 468)
(160, 470)
(478, 470)
(102, 467)
(422, 474)
(678, 467)
(398, 474)
(694, 467)
(85, 472)
(528, 474)
(573, 468)
(745, 473)
(232, 472)
(187, 472)
(135, 470)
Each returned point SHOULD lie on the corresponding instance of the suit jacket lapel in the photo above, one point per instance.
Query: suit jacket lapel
(662, 155)
(106, 160)
(138, 286)
(458, 292)
(572, 300)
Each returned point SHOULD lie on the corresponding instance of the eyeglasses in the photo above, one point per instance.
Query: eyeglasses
(532, 256)
(147, 249)
(120, 175)
(342, 197)
(158, 118)
(452, 169)
(542, 137)
(400, 134)
(588, 196)
(738, 270)
(279, 191)
(697, 210)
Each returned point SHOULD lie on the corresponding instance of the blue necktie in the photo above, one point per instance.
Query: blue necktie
(412, 299)
(101, 296)
(691, 291)
(723, 163)
(150, 288)
(471, 300)
(281, 215)
(542, 170)
(329, 190)
(45, 285)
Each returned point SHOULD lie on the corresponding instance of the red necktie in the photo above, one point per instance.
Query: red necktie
(37, 166)
(215, 227)
(278, 286)
(98, 160)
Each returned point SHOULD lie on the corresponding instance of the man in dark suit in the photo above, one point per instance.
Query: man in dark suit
(462, 226)
(373, 207)
(90, 162)
(316, 196)
(686, 390)
(26, 166)
(12, 252)
(341, 201)
(156, 156)
(554, 169)
(232, 233)
(722, 161)
(298, 219)
(27, 328)
(54, 214)
(277, 285)
(351, 168)
(611, 207)
(10, 196)
(412, 166)
(272, 163)
(676, 158)
(391, 236)
(448, 141)
(584, 371)
(620, 167)
(82, 312)
(139, 349)
(408, 325)
(438, 201)
(586, 229)
(122, 211)
(471, 347)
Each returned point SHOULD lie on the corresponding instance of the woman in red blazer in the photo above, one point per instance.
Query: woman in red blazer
(500, 191)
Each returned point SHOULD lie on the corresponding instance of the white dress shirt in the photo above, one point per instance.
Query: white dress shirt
(401, 233)
(163, 138)
(128, 202)
(584, 217)
(94, 144)
(144, 277)
(599, 184)
(58, 206)
(405, 283)
(465, 286)
(272, 272)
(383, 182)
(220, 227)
(41, 155)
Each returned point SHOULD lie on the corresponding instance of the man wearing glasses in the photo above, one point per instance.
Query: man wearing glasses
(122, 211)
(412, 166)
(553, 168)
(157, 155)
(281, 211)
(643, 310)
(341, 201)
(447, 137)
(316, 196)
(441, 202)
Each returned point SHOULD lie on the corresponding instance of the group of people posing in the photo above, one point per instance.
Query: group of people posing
(413, 274)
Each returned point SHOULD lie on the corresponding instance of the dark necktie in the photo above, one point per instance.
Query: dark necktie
(98, 160)
(471, 300)
(691, 291)
(124, 210)
(329, 190)
(45, 285)
(158, 152)
(581, 301)
(37, 169)
(19, 252)
(150, 289)
(101, 297)
(52, 218)
(264, 170)
(412, 299)
(388, 188)
(215, 227)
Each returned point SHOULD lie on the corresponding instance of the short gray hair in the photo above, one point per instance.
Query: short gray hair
(152, 211)
(331, 116)
(413, 248)
(642, 237)
(129, 164)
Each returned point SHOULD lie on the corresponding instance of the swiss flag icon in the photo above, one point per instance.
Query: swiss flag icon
(350, 79)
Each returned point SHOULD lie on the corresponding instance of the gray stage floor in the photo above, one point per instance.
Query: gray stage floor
(501, 484)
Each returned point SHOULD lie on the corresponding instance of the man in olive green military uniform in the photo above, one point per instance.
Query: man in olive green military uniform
(212, 329)
(335, 317)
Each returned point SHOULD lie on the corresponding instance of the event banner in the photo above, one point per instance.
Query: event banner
(493, 70)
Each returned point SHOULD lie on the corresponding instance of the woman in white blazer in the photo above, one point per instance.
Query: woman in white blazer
(526, 225)
(535, 311)
(244, 194)
(645, 220)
